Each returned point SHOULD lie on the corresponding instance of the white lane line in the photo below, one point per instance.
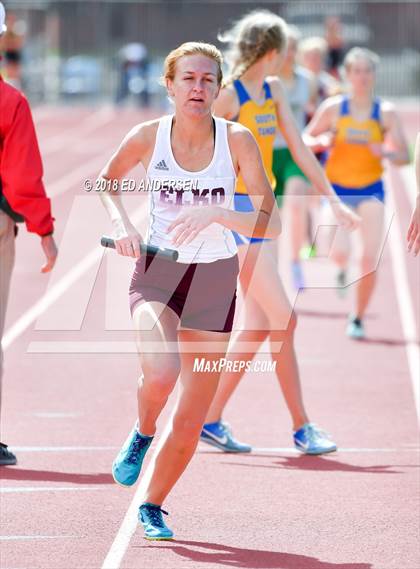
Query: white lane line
(202, 449)
(402, 291)
(29, 489)
(56, 291)
(129, 347)
(76, 177)
(122, 539)
(292, 450)
(21, 537)
(54, 415)
(409, 180)
(126, 531)
(43, 112)
(77, 133)
(61, 449)
(84, 347)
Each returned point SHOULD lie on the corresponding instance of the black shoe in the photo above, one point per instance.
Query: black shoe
(7, 458)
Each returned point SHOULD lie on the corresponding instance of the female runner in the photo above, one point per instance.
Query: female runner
(355, 126)
(258, 101)
(177, 306)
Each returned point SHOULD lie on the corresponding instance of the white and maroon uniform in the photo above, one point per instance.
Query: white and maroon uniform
(201, 286)
(174, 188)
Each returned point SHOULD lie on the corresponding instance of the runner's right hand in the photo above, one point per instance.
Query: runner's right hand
(127, 241)
(345, 216)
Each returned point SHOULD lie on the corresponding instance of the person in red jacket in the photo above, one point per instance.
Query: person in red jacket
(22, 195)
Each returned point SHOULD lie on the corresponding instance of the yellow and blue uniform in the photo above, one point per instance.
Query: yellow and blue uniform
(262, 122)
(354, 171)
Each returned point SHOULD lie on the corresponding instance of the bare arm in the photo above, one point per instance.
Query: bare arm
(396, 147)
(417, 164)
(306, 160)
(413, 233)
(226, 105)
(131, 151)
(263, 222)
(318, 134)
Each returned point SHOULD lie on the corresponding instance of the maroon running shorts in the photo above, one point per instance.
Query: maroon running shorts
(203, 295)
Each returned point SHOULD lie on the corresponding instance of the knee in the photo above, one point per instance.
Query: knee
(368, 264)
(291, 325)
(186, 431)
(159, 376)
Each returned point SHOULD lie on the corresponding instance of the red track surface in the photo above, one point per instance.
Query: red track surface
(356, 509)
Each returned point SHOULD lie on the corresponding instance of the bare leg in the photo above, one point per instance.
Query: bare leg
(340, 251)
(296, 207)
(372, 214)
(156, 328)
(229, 381)
(282, 321)
(263, 287)
(197, 391)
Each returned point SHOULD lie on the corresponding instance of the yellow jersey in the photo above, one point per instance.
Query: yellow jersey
(351, 163)
(262, 122)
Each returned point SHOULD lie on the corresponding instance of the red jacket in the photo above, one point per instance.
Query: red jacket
(20, 162)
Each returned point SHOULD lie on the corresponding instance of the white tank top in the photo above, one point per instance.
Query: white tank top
(172, 188)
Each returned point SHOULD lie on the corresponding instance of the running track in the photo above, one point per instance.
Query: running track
(66, 414)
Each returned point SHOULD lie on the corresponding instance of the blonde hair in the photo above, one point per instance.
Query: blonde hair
(250, 38)
(192, 48)
(361, 53)
(315, 43)
(293, 33)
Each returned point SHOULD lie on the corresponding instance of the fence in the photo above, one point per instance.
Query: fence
(71, 49)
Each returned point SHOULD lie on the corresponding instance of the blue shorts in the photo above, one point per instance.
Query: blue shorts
(353, 197)
(243, 203)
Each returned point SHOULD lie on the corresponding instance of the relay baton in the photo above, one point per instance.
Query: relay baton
(145, 249)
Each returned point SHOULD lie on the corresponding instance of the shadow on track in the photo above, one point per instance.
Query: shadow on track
(224, 555)
(344, 316)
(387, 341)
(16, 473)
(317, 463)
(329, 315)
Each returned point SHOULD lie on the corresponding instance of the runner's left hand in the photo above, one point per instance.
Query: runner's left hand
(190, 222)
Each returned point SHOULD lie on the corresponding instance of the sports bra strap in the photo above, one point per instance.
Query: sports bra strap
(345, 107)
(376, 110)
(267, 90)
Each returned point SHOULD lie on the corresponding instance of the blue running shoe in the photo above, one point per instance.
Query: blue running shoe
(150, 516)
(309, 439)
(219, 434)
(127, 465)
(355, 329)
(297, 275)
